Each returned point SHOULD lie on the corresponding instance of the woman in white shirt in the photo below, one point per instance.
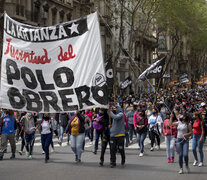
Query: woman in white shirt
(46, 134)
(154, 123)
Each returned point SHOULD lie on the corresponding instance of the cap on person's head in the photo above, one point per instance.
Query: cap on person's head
(203, 104)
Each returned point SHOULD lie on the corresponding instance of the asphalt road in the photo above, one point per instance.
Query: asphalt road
(62, 166)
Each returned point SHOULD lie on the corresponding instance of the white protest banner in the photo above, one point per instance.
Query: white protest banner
(53, 69)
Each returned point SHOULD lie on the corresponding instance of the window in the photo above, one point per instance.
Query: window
(162, 43)
(69, 16)
(62, 13)
(54, 16)
(20, 10)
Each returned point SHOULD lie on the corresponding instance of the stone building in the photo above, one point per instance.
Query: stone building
(51, 12)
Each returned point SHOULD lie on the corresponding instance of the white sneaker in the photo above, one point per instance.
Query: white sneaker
(187, 169)
(43, 152)
(180, 171)
(151, 149)
(200, 164)
(158, 147)
(141, 155)
(91, 143)
(195, 163)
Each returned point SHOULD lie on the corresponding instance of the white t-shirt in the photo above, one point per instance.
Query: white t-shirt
(45, 127)
(153, 120)
(182, 129)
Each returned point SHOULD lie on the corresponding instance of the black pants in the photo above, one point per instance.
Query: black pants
(117, 142)
(23, 141)
(46, 140)
(154, 135)
(105, 141)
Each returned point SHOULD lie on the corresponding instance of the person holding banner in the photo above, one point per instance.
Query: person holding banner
(46, 134)
(77, 131)
(117, 133)
(28, 123)
(7, 125)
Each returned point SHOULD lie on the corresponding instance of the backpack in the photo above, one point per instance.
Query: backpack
(97, 125)
(204, 127)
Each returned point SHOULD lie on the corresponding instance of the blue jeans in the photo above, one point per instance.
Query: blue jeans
(62, 130)
(140, 139)
(195, 143)
(131, 131)
(97, 134)
(127, 138)
(29, 142)
(183, 148)
(170, 146)
(77, 144)
(46, 140)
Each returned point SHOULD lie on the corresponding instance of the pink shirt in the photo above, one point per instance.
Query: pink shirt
(169, 130)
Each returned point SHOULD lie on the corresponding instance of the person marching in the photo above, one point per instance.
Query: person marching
(130, 117)
(184, 132)
(169, 133)
(98, 126)
(154, 122)
(7, 125)
(77, 131)
(117, 133)
(46, 134)
(198, 139)
(28, 123)
(106, 135)
(140, 125)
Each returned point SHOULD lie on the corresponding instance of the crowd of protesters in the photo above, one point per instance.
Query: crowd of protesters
(177, 115)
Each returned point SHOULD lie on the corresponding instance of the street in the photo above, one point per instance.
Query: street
(62, 165)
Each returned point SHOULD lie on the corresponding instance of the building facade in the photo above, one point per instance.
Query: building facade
(51, 12)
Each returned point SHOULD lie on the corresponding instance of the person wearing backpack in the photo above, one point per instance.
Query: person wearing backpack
(77, 131)
(198, 139)
(46, 134)
(98, 126)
